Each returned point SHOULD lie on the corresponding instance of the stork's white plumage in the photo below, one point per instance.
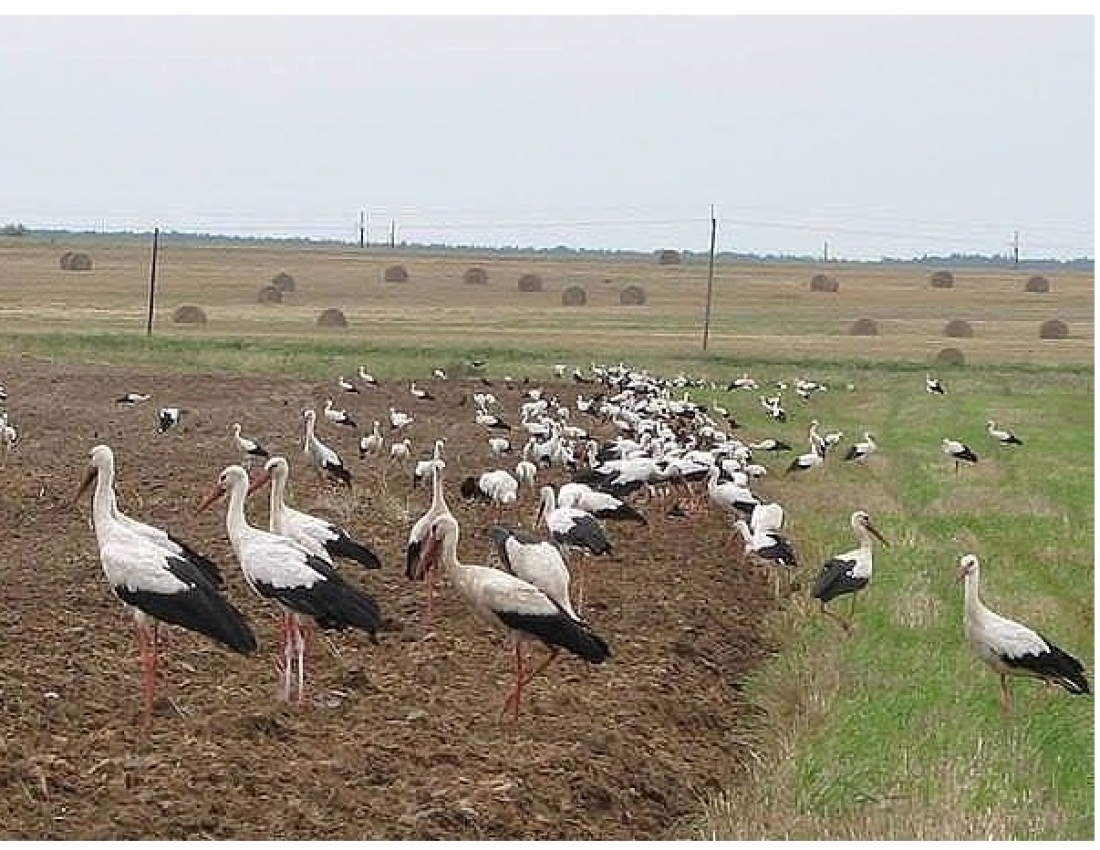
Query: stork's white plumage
(423, 468)
(319, 536)
(863, 449)
(499, 446)
(155, 584)
(1010, 648)
(601, 505)
(283, 571)
(576, 530)
(732, 496)
(771, 547)
(933, 385)
(132, 399)
(497, 487)
(420, 392)
(537, 561)
(322, 457)
(168, 418)
(345, 385)
(850, 572)
(400, 450)
(1002, 436)
(517, 607)
(418, 534)
(367, 378)
(338, 416)
(812, 459)
(399, 419)
(248, 447)
(959, 452)
(370, 444)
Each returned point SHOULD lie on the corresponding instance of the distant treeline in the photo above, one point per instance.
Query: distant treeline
(955, 261)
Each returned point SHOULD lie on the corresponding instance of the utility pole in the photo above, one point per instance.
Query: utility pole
(152, 283)
(825, 255)
(362, 229)
(710, 278)
(1016, 248)
(393, 233)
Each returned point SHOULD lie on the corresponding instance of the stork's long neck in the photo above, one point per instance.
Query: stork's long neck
(103, 503)
(236, 525)
(972, 603)
(277, 503)
(438, 504)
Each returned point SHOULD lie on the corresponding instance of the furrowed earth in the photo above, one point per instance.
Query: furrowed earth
(402, 739)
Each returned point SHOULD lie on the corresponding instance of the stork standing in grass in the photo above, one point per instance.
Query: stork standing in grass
(932, 385)
(301, 583)
(323, 458)
(863, 449)
(1003, 437)
(1012, 649)
(959, 452)
(847, 574)
(156, 584)
(513, 605)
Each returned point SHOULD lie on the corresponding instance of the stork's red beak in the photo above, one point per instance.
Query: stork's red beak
(259, 481)
(89, 477)
(878, 536)
(211, 497)
(427, 558)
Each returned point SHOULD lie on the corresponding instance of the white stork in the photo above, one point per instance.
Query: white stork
(537, 561)
(168, 418)
(1010, 648)
(400, 450)
(1003, 437)
(319, 536)
(812, 459)
(500, 446)
(367, 378)
(346, 385)
(321, 457)
(771, 547)
(420, 392)
(863, 449)
(933, 385)
(850, 572)
(497, 487)
(959, 452)
(418, 534)
(338, 416)
(130, 399)
(249, 448)
(399, 419)
(283, 571)
(506, 602)
(424, 468)
(574, 529)
(732, 496)
(601, 505)
(157, 585)
(370, 444)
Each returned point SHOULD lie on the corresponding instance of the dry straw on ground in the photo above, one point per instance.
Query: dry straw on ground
(270, 295)
(864, 327)
(824, 283)
(530, 282)
(958, 328)
(1053, 329)
(668, 257)
(283, 282)
(475, 275)
(76, 261)
(574, 296)
(1037, 283)
(189, 314)
(632, 296)
(950, 357)
(396, 274)
(332, 318)
(942, 280)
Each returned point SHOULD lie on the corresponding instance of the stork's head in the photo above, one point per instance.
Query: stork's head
(968, 566)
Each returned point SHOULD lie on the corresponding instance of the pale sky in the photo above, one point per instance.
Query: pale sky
(883, 136)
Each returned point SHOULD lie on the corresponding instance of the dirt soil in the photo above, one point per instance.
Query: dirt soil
(399, 740)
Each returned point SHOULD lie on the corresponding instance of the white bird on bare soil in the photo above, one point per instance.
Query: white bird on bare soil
(367, 378)
(1012, 649)
(575, 530)
(321, 457)
(338, 416)
(346, 386)
(525, 613)
(370, 444)
(418, 535)
(400, 450)
(248, 447)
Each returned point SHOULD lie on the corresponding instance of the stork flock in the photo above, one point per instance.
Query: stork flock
(657, 450)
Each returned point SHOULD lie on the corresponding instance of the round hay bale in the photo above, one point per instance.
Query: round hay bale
(950, 357)
(283, 282)
(958, 328)
(824, 283)
(396, 274)
(76, 261)
(270, 295)
(1053, 329)
(189, 314)
(864, 327)
(476, 276)
(942, 280)
(632, 296)
(530, 282)
(574, 296)
(668, 257)
(332, 318)
(1037, 283)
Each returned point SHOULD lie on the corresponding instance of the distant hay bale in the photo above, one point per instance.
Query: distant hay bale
(270, 295)
(283, 282)
(668, 257)
(476, 276)
(189, 314)
(950, 357)
(632, 296)
(1053, 329)
(396, 274)
(958, 328)
(824, 283)
(76, 261)
(574, 296)
(530, 282)
(1037, 283)
(864, 327)
(332, 318)
(942, 280)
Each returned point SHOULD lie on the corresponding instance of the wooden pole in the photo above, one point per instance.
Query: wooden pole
(152, 283)
(362, 229)
(710, 279)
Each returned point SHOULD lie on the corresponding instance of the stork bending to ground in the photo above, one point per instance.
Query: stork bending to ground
(1012, 649)
(517, 607)
(850, 572)
(157, 585)
(283, 571)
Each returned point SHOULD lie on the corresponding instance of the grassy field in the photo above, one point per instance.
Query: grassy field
(894, 732)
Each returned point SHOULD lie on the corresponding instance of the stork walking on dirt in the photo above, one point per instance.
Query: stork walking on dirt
(323, 458)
